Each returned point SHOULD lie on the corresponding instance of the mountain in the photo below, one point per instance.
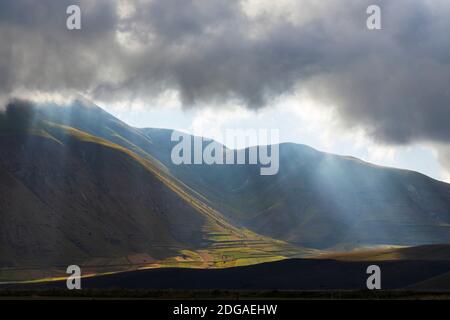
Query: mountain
(76, 188)
(320, 200)
(79, 186)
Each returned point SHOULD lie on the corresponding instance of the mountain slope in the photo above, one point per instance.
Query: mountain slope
(321, 200)
(110, 206)
(68, 196)
(434, 252)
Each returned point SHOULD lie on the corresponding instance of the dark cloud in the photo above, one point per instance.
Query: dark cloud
(39, 53)
(394, 83)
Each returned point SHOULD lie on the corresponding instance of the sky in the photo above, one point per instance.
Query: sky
(311, 69)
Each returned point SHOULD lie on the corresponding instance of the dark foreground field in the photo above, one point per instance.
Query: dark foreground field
(229, 295)
(295, 274)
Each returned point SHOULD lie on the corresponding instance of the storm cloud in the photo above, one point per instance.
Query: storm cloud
(394, 83)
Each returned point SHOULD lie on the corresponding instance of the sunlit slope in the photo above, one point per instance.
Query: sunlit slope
(70, 197)
(438, 252)
(322, 200)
